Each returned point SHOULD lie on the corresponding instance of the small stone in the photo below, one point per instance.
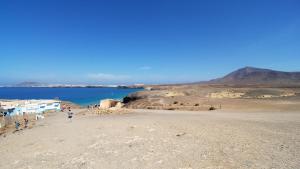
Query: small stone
(180, 134)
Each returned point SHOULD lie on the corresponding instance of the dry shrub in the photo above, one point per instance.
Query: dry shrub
(212, 108)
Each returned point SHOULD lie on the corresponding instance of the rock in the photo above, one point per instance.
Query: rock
(180, 134)
(119, 105)
(134, 96)
(148, 88)
(109, 103)
(129, 98)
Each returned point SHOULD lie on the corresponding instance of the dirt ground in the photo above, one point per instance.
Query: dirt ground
(202, 97)
(157, 139)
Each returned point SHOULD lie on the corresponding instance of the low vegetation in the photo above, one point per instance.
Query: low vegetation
(212, 108)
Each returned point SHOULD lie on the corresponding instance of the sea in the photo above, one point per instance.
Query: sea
(80, 96)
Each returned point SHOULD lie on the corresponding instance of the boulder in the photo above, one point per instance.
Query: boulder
(109, 103)
(119, 105)
(131, 97)
(148, 88)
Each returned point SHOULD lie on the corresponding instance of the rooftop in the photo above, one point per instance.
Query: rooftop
(24, 102)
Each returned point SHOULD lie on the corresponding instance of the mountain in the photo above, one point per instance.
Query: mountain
(29, 84)
(258, 76)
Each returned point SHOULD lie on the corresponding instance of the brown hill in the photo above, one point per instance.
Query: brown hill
(258, 76)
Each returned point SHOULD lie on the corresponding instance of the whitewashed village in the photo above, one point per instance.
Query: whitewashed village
(16, 111)
(19, 107)
(12, 110)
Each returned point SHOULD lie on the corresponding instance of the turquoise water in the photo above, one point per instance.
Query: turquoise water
(81, 96)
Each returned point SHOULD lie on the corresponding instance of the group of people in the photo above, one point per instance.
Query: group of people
(18, 124)
(26, 121)
(70, 113)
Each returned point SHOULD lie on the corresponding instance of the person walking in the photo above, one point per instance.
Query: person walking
(17, 125)
(26, 121)
(70, 115)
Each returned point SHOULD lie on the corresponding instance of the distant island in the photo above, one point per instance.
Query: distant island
(38, 84)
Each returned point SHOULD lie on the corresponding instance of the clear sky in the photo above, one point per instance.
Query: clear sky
(144, 41)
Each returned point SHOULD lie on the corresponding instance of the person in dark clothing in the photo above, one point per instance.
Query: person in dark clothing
(70, 115)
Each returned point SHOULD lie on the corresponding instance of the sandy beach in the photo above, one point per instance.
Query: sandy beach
(157, 139)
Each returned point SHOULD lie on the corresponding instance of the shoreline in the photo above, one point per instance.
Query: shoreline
(80, 96)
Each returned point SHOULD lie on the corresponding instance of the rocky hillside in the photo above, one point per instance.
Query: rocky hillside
(257, 76)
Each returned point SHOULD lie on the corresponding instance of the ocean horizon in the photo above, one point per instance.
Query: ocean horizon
(81, 96)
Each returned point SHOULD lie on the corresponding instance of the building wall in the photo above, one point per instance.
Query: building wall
(17, 111)
(35, 108)
(52, 106)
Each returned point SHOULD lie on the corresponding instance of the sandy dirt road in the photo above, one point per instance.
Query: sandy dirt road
(157, 139)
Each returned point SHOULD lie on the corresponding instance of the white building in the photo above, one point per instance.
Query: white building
(18, 107)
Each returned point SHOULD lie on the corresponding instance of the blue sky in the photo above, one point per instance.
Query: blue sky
(154, 41)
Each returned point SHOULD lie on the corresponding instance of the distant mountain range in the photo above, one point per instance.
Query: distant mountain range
(37, 84)
(29, 84)
(258, 76)
(243, 76)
